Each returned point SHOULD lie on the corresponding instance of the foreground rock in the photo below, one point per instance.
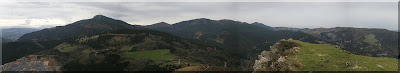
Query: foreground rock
(275, 60)
(33, 63)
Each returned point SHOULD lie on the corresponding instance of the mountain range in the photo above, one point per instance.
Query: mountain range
(103, 43)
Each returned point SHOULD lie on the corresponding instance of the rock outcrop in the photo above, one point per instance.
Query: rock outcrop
(33, 63)
(275, 60)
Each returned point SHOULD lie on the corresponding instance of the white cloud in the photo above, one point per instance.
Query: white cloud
(33, 23)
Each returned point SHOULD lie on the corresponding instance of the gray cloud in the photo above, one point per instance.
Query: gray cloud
(277, 14)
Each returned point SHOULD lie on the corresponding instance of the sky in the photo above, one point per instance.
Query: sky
(275, 14)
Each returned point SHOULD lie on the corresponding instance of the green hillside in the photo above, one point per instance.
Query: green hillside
(322, 57)
(137, 50)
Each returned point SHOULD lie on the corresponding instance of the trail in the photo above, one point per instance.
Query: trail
(206, 68)
(39, 45)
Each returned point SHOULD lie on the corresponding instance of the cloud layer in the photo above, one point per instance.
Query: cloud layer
(277, 14)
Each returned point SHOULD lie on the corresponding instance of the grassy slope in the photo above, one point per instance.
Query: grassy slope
(162, 54)
(320, 57)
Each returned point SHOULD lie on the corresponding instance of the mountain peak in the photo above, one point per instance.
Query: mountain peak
(262, 25)
(160, 24)
(201, 19)
(194, 22)
(101, 17)
(257, 23)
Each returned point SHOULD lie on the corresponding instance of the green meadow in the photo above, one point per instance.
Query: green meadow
(322, 57)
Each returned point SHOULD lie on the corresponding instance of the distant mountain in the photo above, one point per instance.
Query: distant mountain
(364, 41)
(98, 24)
(14, 33)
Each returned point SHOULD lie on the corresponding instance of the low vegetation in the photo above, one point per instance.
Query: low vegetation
(86, 39)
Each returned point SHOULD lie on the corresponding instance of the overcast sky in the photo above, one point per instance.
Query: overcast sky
(276, 14)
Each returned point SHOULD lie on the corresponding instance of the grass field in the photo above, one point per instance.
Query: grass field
(126, 48)
(320, 57)
(88, 51)
(161, 54)
(182, 62)
(66, 47)
(169, 63)
(370, 39)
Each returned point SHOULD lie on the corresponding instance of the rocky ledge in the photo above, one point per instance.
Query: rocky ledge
(275, 60)
(33, 63)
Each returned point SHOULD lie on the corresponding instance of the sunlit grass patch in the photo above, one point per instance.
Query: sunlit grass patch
(66, 47)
